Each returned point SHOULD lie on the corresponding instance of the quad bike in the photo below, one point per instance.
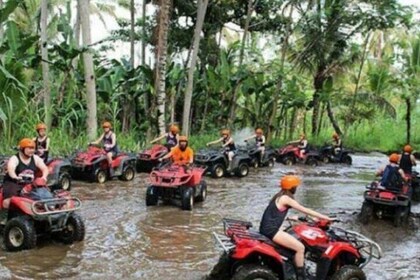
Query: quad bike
(339, 254)
(327, 155)
(290, 154)
(148, 159)
(59, 173)
(177, 182)
(415, 184)
(30, 215)
(217, 163)
(92, 165)
(380, 202)
(268, 159)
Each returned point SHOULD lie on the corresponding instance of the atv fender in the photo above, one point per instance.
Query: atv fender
(245, 249)
(339, 248)
(55, 168)
(21, 204)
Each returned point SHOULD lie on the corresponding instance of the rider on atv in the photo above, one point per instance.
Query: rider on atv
(276, 212)
(302, 145)
(109, 140)
(42, 142)
(259, 142)
(337, 144)
(407, 160)
(393, 176)
(228, 145)
(23, 164)
(180, 154)
(172, 137)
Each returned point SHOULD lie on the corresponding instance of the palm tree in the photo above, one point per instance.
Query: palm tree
(44, 64)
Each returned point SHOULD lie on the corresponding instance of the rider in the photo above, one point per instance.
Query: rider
(337, 144)
(228, 145)
(109, 140)
(276, 212)
(23, 164)
(392, 175)
(302, 145)
(172, 137)
(407, 160)
(181, 154)
(42, 142)
(259, 142)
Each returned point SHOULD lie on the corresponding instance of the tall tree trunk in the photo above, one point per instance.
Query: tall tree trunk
(1, 34)
(408, 119)
(232, 114)
(332, 118)
(201, 14)
(144, 32)
(318, 86)
(161, 57)
(89, 72)
(359, 74)
(132, 24)
(44, 64)
(293, 122)
(76, 32)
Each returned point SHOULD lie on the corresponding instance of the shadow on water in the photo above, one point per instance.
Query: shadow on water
(126, 240)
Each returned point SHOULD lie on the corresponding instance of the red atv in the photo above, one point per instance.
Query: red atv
(338, 254)
(92, 165)
(179, 182)
(290, 154)
(380, 202)
(32, 215)
(59, 173)
(148, 159)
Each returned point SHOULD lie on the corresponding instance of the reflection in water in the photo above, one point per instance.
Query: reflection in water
(129, 241)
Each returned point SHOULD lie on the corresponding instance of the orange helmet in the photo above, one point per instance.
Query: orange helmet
(106, 125)
(289, 182)
(408, 149)
(183, 139)
(26, 143)
(335, 135)
(259, 131)
(225, 132)
(40, 126)
(394, 158)
(174, 129)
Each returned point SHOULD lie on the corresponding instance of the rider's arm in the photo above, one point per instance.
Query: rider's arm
(263, 139)
(250, 137)
(41, 166)
(295, 205)
(214, 142)
(113, 141)
(11, 167)
(191, 155)
(228, 142)
(413, 160)
(304, 144)
(402, 174)
(158, 138)
(168, 155)
(380, 171)
(47, 146)
(96, 142)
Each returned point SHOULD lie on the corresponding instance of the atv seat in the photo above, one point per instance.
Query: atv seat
(285, 252)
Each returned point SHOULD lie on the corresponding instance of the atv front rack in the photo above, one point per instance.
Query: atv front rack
(53, 206)
(366, 247)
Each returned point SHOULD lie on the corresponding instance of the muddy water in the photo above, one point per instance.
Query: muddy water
(126, 240)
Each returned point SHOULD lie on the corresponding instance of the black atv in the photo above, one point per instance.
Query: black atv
(268, 159)
(327, 155)
(415, 185)
(217, 163)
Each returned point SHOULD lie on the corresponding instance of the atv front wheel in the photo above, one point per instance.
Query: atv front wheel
(64, 181)
(349, 272)
(254, 271)
(187, 199)
(128, 174)
(101, 176)
(325, 159)
(271, 162)
(151, 196)
(366, 213)
(19, 234)
(242, 170)
(312, 162)
(288, 161)
(73, 231)
(218, 170)
(202, 192)
(255, 163)
(347, 160)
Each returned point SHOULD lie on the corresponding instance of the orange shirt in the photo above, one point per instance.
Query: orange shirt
(182, 157)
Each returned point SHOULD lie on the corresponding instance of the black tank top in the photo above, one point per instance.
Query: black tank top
(259, 141)
(171, 141)
(108, 140)
(231, 146)
(406, 164)
(272, 219)
(40, 144)
(22, 169)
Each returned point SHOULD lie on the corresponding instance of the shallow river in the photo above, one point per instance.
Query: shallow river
(126, 240)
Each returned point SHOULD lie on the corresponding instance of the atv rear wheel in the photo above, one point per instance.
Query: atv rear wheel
(64, 181)
(101, 176)
(347, 159)
(254, 271)
(242, 170)
(151, 196)
(271, 162)
(128, 173)
(312, 162)
(288, 161)
(187, 199)
(366, 213)
(202, 192)
(255, 163)
(73, 231)
(218, 170)
(19, 234)
(325, 159)
(349, 272)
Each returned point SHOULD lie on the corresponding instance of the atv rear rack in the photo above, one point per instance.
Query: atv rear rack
(366, 247)
(48, 206)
